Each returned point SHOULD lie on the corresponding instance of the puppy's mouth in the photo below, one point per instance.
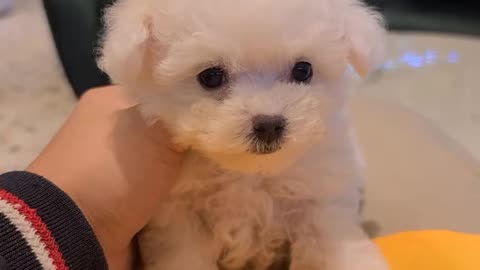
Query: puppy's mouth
(262, 148)
(267, 150)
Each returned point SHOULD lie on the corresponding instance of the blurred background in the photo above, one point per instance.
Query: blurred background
(47, 60)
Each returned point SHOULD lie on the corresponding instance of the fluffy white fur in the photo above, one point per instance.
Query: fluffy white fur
(233, 209)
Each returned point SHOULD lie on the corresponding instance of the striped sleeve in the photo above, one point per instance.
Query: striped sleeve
(41, 228)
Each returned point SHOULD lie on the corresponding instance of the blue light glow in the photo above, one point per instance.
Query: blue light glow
(389, 64)
(430, 57)
(453, 57)
(417, 60)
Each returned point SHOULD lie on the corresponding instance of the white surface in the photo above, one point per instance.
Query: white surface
(420, 172)
(34, 96)
(437, 76)
(417, 179)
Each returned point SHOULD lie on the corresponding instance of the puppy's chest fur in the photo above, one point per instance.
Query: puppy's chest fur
(248, 218)
(242, 221)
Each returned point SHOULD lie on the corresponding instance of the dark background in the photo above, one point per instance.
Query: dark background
(457, 16)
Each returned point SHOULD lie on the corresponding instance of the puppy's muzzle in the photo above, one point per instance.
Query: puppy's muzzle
(268, 132)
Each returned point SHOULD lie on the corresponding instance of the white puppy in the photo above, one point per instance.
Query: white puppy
(254, 90)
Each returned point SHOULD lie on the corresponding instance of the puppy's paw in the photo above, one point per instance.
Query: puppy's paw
(310, 261)
(357, 255)
(305, 266)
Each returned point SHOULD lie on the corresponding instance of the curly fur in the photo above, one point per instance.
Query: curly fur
(234, 209)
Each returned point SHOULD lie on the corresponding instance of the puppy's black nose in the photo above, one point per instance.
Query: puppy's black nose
(269, 129)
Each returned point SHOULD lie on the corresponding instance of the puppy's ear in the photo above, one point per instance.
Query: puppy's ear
(366, 33)
(129, 47)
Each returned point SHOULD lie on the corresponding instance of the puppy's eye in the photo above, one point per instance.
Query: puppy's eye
(212, 78)
(302, 72)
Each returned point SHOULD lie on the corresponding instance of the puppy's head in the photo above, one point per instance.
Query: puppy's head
(250, 84)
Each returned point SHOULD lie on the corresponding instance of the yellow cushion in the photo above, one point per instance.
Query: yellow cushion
(431, 250)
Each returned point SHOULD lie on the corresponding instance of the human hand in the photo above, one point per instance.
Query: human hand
(115, 168)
